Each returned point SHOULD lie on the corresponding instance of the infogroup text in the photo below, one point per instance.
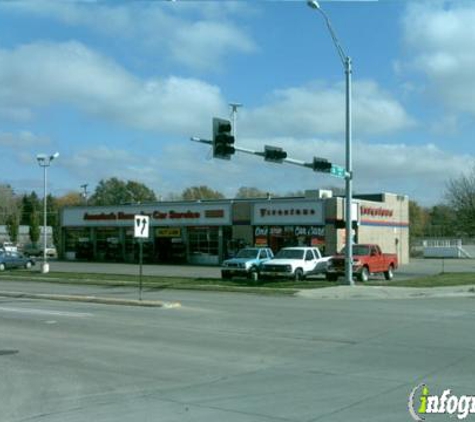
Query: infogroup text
(422, 403)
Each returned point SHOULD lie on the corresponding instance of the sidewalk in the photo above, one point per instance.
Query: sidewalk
(384, 292)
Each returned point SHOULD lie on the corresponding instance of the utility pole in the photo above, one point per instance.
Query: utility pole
(84, 194)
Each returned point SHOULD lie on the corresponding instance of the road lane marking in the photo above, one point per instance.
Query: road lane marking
(44, 312)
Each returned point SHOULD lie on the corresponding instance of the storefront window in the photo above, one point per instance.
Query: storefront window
(204, 240)
(278, 237)
(108, 244)
(78, 243)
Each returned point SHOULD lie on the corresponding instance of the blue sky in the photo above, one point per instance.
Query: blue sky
(118, 88)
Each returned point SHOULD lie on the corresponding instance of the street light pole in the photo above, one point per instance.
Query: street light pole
(348, 146)
(45, 161)
(349, 181)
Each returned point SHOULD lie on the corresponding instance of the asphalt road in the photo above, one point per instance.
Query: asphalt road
(228, 357)
(417, 267)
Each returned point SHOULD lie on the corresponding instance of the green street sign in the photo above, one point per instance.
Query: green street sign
(338, 171)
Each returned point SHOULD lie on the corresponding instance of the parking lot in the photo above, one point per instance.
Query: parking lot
(416, 268)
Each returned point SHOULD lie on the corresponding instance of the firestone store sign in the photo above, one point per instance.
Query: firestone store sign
(178, 215)
(291, 213)
(371, 215)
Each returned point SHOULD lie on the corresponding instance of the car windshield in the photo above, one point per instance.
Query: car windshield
(247, 253)
(290, 254)
(358, 250)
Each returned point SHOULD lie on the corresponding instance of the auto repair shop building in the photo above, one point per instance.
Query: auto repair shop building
(206, 232)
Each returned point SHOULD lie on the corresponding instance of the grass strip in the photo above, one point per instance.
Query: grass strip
(276, 287)
(285, 287)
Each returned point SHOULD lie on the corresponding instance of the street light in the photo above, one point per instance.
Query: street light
(349, 165)
(44, 161)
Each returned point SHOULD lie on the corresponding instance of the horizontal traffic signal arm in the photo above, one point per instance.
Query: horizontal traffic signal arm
(287, 160)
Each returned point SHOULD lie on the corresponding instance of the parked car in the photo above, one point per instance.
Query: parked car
(367, 260)
(15, 260)
(296, 263)
(32, 249)
(36, 249)
(8, 247)
(51, 251)
(247, 263)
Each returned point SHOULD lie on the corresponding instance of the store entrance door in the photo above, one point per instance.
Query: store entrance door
(163, 249)
(276, 243)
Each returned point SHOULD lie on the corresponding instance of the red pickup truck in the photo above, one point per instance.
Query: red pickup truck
(367, 259)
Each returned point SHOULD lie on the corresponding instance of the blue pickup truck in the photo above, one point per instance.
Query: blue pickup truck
(247, 263)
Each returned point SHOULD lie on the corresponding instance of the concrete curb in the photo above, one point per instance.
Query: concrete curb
(92, 299)
(383, 292)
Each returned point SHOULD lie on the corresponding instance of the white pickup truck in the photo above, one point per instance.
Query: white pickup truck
(9, 247)
(295, 262)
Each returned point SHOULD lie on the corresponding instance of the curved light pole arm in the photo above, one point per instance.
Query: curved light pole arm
(339, 48)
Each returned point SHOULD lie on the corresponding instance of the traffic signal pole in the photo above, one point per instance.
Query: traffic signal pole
(223, 148)
(287, 160)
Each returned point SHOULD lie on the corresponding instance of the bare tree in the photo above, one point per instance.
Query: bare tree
(251, 192)
(8, 203)
(194, 193)
(460, 194)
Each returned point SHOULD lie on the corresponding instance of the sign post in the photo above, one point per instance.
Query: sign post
(141, 231)
(338, 171)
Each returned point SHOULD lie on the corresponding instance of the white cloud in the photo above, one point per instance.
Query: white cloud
(316, 109)
(420, 171)
(441, 40)
(23, 139)
(204, 43)
(70, 73)
(197, 37)
(104, 162)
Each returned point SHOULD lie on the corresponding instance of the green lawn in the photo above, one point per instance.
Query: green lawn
(438, 280)
(282, 287)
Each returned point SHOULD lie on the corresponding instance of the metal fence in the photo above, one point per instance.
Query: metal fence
(443, 248)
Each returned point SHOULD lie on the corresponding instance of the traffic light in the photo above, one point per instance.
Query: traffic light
(223, 139)
(321, 164)
(274, 154)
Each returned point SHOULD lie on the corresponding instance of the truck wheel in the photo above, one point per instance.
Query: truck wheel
(2, 267)
(331, 277)
(28, 265)
(389, 274)
(225, 275)
(364, 275)
(298, 275)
